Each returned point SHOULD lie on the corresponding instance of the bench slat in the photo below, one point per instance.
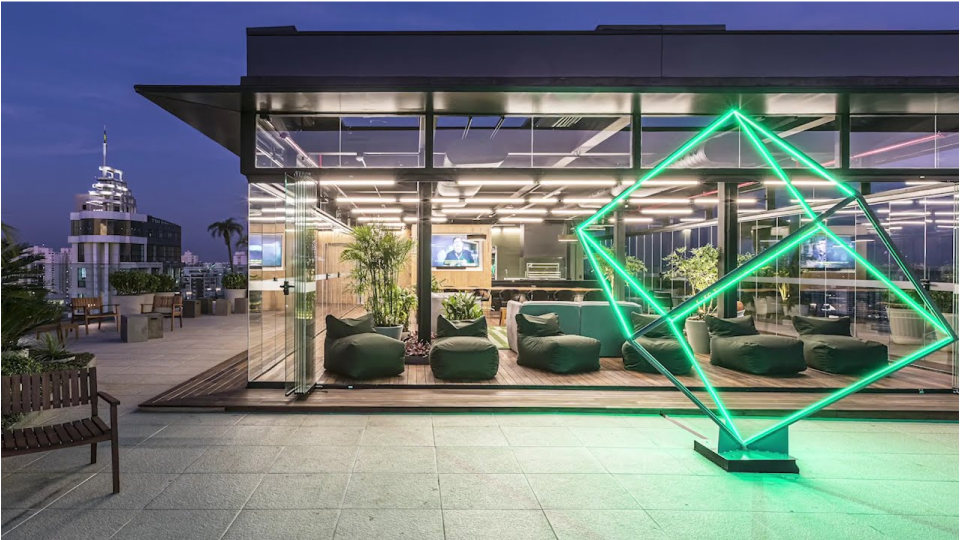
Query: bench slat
(17, 400)
(74, 388)
(82, 430)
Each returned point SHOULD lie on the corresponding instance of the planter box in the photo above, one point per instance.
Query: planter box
(698, 336)
(390, 331)
(906, 326)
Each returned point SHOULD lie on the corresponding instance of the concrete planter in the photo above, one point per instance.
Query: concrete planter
(390, 331)
(129, 304)
(698, 336)
(952, 321)
(232, 294)
(906, 326)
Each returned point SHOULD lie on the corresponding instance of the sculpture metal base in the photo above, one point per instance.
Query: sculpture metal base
(767, 455)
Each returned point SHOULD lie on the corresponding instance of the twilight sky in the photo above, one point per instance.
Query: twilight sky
(70, 68)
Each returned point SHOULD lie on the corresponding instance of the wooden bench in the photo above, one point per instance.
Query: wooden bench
(168, 306)
(92, 309)
(54, 390)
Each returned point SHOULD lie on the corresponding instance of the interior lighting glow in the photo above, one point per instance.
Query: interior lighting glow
(667, 211)
(466, 210)
(591, 200)
(521, 220)
(497, 182)
(573, 182)
(521, 210)
(376, 210)
(493, 200)
(367, 199)
(565, 212)
(358, 182)
(658, 200)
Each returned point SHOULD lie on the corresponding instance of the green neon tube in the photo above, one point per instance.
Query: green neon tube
(624, 326)
(630, 280)
(922, 311)
(837, 396)
(799, 156)
(656, 170)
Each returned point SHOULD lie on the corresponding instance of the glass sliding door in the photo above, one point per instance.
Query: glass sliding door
(300, 286)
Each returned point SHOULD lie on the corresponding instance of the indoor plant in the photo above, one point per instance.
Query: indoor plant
(699, 269)
(378, 255)
(462, 307)
(633, 265)
(417, 350)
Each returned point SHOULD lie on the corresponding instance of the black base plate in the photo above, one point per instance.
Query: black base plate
(749, 461)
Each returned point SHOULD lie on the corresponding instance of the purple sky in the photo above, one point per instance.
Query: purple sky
(69, 69)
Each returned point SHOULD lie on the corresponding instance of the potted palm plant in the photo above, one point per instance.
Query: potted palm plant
(698, 268)
(378, 255)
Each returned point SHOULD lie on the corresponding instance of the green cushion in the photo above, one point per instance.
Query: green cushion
(464, 358)
(364, 356)
(667, 351)
(567, 312)
(547, 324)
(737, 326)
(559, 354)
(340, 328)
(600, 322)
(822, 326)
(760, 354)
(639, 320)
(474, 328)
(843, 354)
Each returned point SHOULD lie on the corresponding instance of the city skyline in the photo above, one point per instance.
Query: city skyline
(65, 83)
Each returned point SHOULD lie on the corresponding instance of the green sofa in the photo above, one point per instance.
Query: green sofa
(590, 319)
(736, 344)
(462, 351)
(828, 346)
(354, 349)
(660, 343)
(541, 345)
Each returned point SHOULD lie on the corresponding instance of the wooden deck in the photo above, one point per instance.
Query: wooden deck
(225, 387)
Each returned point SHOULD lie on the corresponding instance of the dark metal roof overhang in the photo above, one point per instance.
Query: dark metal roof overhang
(211, 110)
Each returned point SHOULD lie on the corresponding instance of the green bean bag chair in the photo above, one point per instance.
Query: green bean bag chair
(354, 349)
(660, 343)
(462, 351)
(541, 345)
(828, 346)
(736, 344)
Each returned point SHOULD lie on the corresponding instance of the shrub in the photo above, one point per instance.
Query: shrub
(132, 282)
(461, 307)
(235, 281)
(167, 283)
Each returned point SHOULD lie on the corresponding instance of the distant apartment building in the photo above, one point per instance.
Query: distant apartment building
(240, 258)
(189, 259)
(56, 270)
(201, 281)
(108, 234)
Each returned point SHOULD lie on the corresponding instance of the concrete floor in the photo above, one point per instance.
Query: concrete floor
(525, 476)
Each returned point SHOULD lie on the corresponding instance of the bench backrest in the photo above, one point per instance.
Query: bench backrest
(31, 392)
(86, 304)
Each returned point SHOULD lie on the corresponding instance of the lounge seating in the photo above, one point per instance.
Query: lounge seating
(828, 346)
(354, 349)
(462, 351)
(589, 319)
(542, 345)
(167, 305)
(736, 344)
(660, 343)
(35, 392)
(93, 309)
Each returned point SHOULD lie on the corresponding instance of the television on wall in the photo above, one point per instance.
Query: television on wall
(824, 253)
(451, 251)
(266, 250)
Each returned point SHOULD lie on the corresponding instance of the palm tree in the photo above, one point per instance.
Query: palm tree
(226, 229)
(24, 305)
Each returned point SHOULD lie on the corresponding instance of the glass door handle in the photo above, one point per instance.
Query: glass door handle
(286, 287)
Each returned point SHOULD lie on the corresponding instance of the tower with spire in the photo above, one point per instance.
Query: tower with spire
(110, 192)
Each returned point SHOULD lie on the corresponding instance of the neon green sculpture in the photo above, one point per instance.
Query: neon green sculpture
(734, 118)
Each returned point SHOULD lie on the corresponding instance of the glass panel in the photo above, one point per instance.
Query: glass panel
(532, 141)
(326, 141)
(301, 300)
(879, 142)
(267, 332)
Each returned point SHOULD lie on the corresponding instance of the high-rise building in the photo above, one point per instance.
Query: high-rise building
(56, 270)
(203, 280)
(240, 258)
(108, 234)
(189, 259)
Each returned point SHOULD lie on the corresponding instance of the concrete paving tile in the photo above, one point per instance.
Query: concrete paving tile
(69, 523)
(177, 525)
(356, 420)
(158, 460)
(611, 437)
(14, 517)
(604, 525)
(632, 461)
(392, 490)
(179, 435)
(315, 459)
(454, 419)
(580, 491)
(468, 436)
(813, 526)
(894, 497)
(37, 490)
(540, 436)
(389, 524)
(71, 460)
(528, 420)
(699, 524)
(299, 491)
(486, 492)
(286, 524)
(594, 420)
(256, 435)
(476, 459)
(403, 459)
(136, 491)
(496, 525)
(211, 419)
(326, 436)
(557, 459)
(394, 420)
(397, 436)
(921, 527)
(210, 491)
(268, 419)
(241, 459)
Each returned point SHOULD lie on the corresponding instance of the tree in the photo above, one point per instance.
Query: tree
(226, 229)
(24, 304)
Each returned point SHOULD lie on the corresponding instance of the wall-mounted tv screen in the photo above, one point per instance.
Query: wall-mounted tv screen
(454, 251)
(266, 250)
(823, 253)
